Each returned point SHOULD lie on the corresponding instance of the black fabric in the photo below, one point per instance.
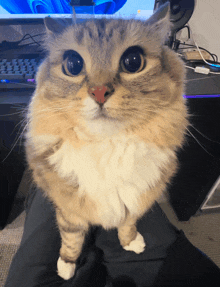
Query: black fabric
(168, 260)
(34, 264)
(185, 265)
(142, 268)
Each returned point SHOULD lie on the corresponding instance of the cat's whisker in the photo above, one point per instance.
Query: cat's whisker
(19, 136)
(69, 107)
(18, 133)
(25, 121)
(12, 114)
(137, 112)
(198, 142)
(204, 135)
(50, 109)
(15, 143)
(23, 111)
(20, 122)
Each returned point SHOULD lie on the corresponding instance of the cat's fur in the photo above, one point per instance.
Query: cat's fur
(105, 171)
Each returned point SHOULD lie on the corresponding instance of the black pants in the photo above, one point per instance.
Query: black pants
(169, 258)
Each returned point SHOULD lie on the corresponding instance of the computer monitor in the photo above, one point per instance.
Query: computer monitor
(34, 11)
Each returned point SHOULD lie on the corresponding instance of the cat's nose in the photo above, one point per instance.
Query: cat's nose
(100, 93)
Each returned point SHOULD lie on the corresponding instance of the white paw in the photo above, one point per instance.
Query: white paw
(65, 270)
(137, 245)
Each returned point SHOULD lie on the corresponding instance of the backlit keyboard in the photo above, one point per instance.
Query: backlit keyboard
(19, 72)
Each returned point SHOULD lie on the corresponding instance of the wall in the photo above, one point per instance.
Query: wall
(205, 26)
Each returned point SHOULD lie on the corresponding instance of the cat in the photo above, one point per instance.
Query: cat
(104, 125)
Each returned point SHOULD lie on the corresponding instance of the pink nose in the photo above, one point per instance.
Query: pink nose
(98, 93)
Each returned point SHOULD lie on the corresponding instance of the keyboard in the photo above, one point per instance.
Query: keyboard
(20, 71)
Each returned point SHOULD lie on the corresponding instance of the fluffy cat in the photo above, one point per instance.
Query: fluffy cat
(104, 125)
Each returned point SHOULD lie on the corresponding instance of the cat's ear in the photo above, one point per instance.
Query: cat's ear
(54, 26)
(160, 20)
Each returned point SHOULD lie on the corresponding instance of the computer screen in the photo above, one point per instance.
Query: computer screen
(14, 9)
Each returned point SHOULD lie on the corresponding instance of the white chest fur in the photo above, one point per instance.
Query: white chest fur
(113, 172)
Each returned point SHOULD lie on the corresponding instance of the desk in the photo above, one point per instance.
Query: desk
(200, 157)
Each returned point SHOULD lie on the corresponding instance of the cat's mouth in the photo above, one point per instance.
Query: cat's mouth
(100, 122)
(101, 114)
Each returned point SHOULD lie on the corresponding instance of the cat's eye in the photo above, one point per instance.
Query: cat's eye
(133, 60)
(72, 63)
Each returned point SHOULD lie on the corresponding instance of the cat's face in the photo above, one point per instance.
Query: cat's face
(126, 58)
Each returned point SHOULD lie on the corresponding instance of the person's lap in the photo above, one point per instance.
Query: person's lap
(102, 259)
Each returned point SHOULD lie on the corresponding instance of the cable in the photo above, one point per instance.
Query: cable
(194, 46)
(218, 66)
(214, 73)
(190, 67)
(7, 45)
(202, 70)
(32, 38)
(197, 69)
(74, 15)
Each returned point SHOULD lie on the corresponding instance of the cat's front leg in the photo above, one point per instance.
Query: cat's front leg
(72, 241)
(130, 239)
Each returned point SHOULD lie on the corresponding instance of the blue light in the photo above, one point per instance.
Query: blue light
(61, 7)
(201, 96)
(217, 66)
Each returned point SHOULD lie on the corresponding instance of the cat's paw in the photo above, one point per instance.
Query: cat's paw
(137, 245)
(65, 270)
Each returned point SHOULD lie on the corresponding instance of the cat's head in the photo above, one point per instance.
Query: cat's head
(110, 75)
